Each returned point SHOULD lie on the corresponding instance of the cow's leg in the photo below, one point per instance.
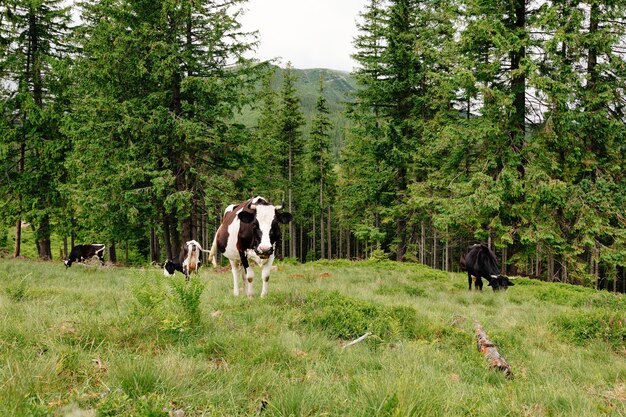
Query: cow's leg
(234, 267)
(469, 281)
(248, 274)
(479, 283)
(265, 275)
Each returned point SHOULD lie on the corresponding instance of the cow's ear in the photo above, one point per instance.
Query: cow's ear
(246, 216)
(284, 217)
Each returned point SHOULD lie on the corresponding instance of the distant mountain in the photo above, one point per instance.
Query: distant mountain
(339, 87)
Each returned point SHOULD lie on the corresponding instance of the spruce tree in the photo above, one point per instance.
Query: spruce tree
(157, 90)
(290, 122)
(32, 149)
(319, 169)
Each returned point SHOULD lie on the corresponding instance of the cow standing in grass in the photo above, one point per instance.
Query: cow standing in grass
(481, 262)
(82, 253)
(249, 230)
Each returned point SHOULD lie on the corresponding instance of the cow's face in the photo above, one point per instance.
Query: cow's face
(265, 221)
(67, 263)
(500, 283)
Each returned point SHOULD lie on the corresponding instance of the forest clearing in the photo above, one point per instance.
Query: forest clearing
(113, 341)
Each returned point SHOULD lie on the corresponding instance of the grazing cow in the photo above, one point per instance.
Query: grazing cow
(189, 260)
(171, 266)
(481, 262)
(81, 253)
(249, 230)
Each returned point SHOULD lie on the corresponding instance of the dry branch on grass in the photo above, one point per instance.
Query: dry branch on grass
(488, 348)
(360, 339)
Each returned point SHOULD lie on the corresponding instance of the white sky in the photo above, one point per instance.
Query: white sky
(309, 33)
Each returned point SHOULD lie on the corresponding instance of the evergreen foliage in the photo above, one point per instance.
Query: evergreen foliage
(490, 120)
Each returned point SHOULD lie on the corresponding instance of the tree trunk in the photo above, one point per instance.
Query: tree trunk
(18, 238)
(43, 241)
(329, 236)
(314, 238)
(166, 234)
(447, 268)
(550, 265)
(423, 243)
(301, 257)
(340, 241)
(322, 236)
(488, 348)
(434, 264)
(538, 260)
(112, 253)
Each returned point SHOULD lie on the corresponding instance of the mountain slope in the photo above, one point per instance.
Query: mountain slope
(339, 87)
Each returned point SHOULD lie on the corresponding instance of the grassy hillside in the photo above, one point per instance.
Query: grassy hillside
(338, 89)
(93, 341)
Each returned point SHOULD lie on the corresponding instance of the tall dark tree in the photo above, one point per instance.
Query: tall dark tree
(319, 170)
(158, 87)
(290, 122)
(34, 38)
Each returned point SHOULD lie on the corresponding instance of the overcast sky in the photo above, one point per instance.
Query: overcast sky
(309, 33)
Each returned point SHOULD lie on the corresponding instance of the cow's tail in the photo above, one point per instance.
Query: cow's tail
(213, 252)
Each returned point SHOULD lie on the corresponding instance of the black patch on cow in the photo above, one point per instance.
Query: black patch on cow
(246, 216)
(172, 266)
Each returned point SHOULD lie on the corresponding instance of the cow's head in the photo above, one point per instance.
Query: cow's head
(265, 220)
(67, 263)
(500, 282)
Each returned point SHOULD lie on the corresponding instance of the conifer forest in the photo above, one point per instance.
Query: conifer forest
(135, 123)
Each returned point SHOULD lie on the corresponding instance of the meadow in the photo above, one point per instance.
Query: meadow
(106, 341)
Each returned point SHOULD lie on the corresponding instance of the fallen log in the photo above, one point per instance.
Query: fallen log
(488, 348)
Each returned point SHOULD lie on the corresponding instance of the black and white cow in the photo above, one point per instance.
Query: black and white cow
(249, 230)
(171, 266)
(189, 260)
(481, 262)
(81, 253)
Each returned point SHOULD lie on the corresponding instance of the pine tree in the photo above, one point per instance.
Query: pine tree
(34, 38)
(319, 172)
(290, 121)
(158, 87)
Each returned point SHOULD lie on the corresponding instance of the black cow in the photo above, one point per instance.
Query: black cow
(481, 262)
(81, 253)
(249, 230)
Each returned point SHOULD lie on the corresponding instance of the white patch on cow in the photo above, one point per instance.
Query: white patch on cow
(234, 268)
(231, 251)
(265, 274)
(230, 208)
(265, 216)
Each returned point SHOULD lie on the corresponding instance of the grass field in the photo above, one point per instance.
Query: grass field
(97, 341)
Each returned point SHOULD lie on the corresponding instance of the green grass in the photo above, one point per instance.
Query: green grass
(99, 341)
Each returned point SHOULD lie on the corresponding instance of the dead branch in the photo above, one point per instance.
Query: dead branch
(488, 348)
(355, 341)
